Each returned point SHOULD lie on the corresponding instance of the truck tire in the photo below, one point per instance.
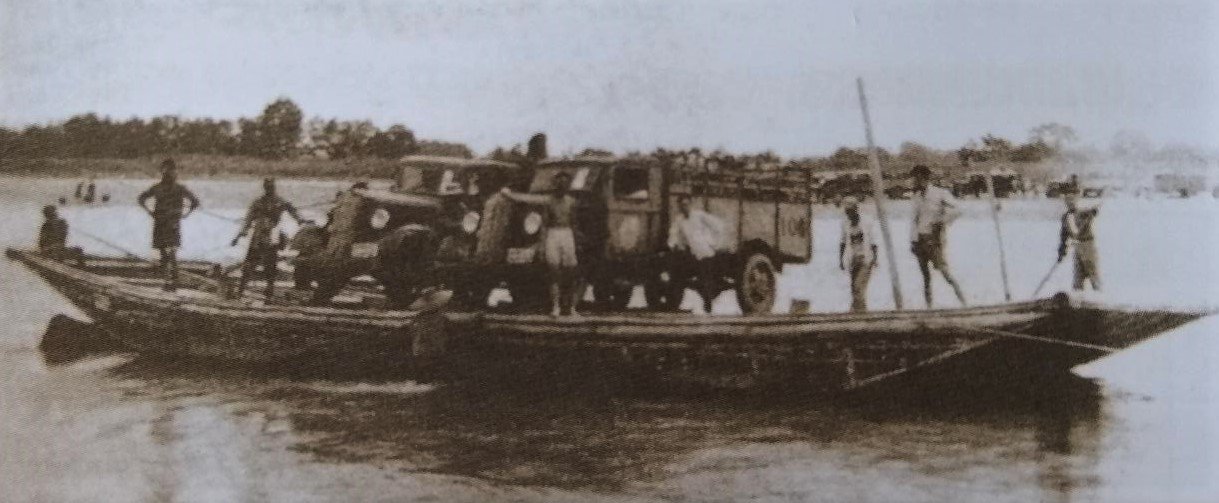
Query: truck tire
(529, 296)
(613, 295)
(755, 286)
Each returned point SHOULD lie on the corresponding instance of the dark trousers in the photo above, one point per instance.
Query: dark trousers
(265, 257)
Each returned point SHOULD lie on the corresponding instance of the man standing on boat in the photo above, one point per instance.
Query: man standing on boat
(858, 244)
(167, 215)
(560, 242)
(934, 209)
(261, 224)
(698, 235)
(1076, 231)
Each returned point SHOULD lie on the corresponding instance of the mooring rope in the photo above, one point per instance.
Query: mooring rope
(1047, 340)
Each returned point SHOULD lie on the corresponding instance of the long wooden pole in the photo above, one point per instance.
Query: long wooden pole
(878, 190)
(994, 213)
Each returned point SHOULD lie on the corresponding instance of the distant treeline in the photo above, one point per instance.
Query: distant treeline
(281, 140)
(278, 133)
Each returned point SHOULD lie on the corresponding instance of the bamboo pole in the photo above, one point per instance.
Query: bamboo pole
(878, 189)
(994, 213)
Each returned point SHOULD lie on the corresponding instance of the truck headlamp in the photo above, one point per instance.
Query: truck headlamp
(469, 223)
(532, 223)
(379, 219)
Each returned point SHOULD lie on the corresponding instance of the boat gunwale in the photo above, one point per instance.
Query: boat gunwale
(115, 286)
(592, 323)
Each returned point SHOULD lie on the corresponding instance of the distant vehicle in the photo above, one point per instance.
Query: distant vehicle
(836, 186)
(1006, 183)
(1179, 184)
(625, 206)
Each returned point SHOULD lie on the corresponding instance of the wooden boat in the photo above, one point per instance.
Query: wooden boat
(1011, 343)
(1025, 342)
(125, 300)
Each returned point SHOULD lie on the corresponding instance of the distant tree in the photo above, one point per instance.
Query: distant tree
(994, 148)
(1033, 151)
(847, 159)
(392, 143)
(915, 153)
(444, 149)
(596, 152)
(277, 130)
(512, 155)
(1053, 134)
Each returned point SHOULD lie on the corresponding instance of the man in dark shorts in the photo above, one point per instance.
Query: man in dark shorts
(934, 208)
(261, 224)
(167, 215)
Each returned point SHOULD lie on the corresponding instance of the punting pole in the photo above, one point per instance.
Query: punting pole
(878, 189)
(994, 213)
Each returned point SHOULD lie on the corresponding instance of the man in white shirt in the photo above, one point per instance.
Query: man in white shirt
(934, 209)
(701, 235)
(858, 244)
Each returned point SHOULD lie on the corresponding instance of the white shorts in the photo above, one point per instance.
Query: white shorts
(561, 247)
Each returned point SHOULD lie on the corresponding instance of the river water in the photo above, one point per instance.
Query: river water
(1137, 426)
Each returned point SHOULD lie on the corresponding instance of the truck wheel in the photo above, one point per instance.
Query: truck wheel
(755, 286)
(664, 291)
(528, 296)
(613, 295)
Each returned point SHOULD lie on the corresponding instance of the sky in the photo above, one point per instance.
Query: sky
(745, 76)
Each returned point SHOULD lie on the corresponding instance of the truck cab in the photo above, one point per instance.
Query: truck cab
(419, 230)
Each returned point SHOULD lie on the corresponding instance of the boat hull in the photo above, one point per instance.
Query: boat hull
(834, 353)
(149, 321)
(1008, 344)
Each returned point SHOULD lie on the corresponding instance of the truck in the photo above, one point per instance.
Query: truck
(625, 206)
(418, 233)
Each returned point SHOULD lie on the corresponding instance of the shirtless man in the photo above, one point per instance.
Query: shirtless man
(167, 215)
(560, 249)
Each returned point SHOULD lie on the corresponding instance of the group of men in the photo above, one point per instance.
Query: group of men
(933, 209)
(694, 234)
(172, 202)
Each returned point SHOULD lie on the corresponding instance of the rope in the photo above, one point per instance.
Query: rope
(1014, 335)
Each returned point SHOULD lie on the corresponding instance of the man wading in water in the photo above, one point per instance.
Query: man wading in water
(167, 218)
(934, 208)
(261, 222)
(565, 285)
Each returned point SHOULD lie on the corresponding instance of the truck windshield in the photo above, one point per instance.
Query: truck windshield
(430, 181)
(582, 178)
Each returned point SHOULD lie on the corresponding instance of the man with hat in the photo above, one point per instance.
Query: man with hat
(261, 224)
(858, 244)
(167, 215)
(934, 209)
(1076, 231)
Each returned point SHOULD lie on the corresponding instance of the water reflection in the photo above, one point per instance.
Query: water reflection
(1043, 441)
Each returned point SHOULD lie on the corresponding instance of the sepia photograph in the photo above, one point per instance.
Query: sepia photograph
(609, 250)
